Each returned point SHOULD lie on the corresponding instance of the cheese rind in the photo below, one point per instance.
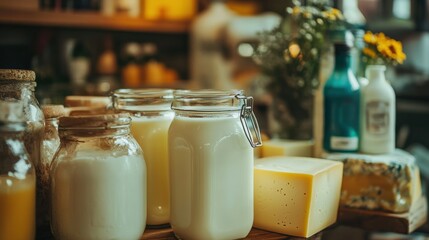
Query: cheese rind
(290, 148)
(296, 196)
(388, 182)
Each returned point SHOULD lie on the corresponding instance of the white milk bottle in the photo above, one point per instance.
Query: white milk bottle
(151, 115)
(211, 164)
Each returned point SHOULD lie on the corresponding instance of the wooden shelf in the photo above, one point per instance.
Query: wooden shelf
(90, 20)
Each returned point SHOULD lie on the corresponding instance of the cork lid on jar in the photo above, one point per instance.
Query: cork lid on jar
(87, 101)
(53, 111)
(17, 74)
(104, 121)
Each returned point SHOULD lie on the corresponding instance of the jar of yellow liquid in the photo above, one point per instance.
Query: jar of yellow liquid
(151, 118)
(17, 178)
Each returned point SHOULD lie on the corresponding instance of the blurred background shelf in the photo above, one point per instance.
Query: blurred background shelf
(90, 20)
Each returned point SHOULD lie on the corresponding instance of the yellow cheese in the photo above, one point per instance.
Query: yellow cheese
(288, 148)
(296, 196)
(389, 182)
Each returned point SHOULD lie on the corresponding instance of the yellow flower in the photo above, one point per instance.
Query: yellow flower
(296, 10)
(369, 52)
(370, 38)
(388, 48)
(337, 13)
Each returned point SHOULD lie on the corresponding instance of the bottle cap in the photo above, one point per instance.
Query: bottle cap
(53, 111)
(17, 74)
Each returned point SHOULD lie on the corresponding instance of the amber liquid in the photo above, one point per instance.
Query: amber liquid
(17, 208)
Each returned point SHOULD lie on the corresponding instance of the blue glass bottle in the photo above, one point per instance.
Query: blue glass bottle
(341, 105)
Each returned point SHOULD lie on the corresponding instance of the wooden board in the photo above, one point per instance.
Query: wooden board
(386, 222)
(167, 234)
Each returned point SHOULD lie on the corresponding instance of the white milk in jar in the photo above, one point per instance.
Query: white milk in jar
(151, 118)
(211, 165)
(98, 180)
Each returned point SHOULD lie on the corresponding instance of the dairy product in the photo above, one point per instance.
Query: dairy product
(151, 134)
(17, 208)
(296, 196)
(211, 178)
(389, 182)
(95, 196)
(290, 148)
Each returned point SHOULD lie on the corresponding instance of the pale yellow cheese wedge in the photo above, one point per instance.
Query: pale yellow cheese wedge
(296, 196)
(290, 148)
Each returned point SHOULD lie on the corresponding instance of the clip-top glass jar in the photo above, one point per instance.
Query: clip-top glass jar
(151, 118)
(98, 180)
(19, 85)
(211, 164)
(17, 178)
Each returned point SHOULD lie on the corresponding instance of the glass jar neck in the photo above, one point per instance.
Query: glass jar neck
(74, 134)
(143, 102)
(17, 85)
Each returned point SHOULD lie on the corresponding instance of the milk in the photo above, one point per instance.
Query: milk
(151, 134)
(99, 197)
(211, 177)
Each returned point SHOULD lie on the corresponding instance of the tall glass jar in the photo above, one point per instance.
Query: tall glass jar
(151, 118)
(211, 164)
(19, 85)
(98, 180)
(17, 178)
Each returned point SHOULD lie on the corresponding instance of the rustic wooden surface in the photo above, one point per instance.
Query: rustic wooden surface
(386, 222)
(167, 234)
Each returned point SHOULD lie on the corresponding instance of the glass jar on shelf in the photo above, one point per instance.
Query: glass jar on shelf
(211, 164)
(151, 116)
(17, 177)
(98, 180)
(19, 85)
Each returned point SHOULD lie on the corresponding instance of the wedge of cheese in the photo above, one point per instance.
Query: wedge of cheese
(296, 196)
(290, 148)
(389, 182)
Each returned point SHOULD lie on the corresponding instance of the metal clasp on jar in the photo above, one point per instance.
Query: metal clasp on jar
(249, 122)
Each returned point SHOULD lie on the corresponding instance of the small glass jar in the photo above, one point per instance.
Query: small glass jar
(98, 180)
(50, 144)
(19, 85)
(17, 177)
(211, 164)
(151, 118)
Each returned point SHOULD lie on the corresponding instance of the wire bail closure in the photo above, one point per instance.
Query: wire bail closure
(249, 122)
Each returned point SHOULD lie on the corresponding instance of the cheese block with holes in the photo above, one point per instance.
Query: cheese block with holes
(296, 196)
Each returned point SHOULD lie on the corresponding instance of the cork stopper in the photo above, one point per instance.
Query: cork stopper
(94, 121)
(53, 111)
(87, 101)
(17, 74)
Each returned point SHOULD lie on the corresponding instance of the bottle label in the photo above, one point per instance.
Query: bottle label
(344, 143)
(377, 117)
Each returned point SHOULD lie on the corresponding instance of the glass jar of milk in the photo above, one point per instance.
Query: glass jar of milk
(151, 115)
(211, 164)
(98, 180)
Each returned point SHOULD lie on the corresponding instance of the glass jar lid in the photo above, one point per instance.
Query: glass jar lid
(142, 100)
(107, 121)
(17, 74)
(208, 100)
(53, 111)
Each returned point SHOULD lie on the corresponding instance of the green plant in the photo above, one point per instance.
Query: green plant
(290, 56)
